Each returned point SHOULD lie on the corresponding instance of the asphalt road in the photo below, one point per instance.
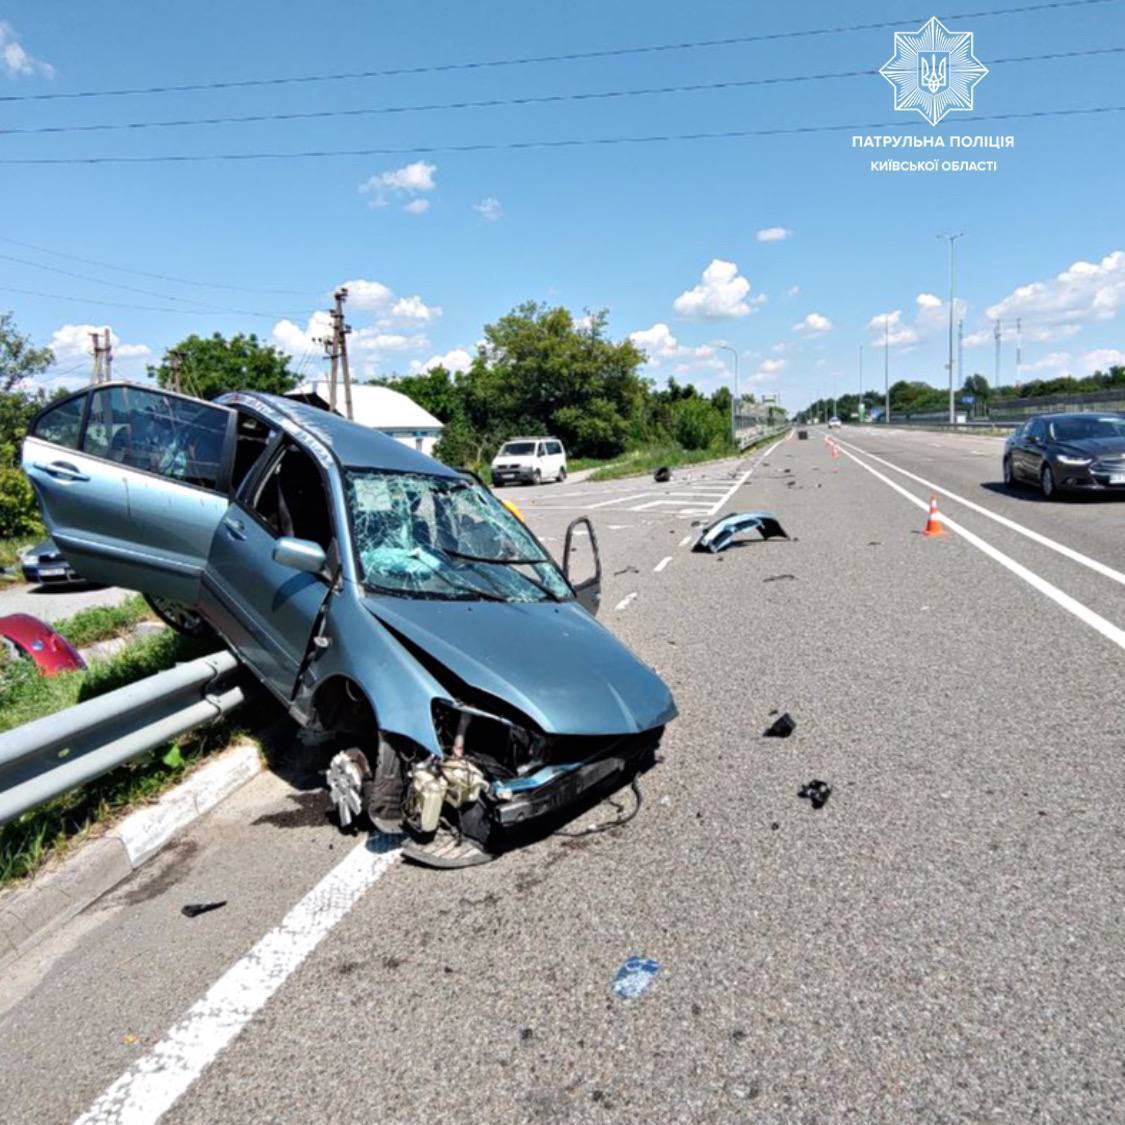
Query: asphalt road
(941, 941)
(53, 603)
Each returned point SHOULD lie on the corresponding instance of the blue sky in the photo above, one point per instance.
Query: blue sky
(667, 236)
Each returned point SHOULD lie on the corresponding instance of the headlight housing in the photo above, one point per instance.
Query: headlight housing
(1067, 459)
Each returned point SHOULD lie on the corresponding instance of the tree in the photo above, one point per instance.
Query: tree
(19, 358)
(210, 367)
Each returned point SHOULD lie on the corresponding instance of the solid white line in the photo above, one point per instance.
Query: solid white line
(662, 564)
(1062, 549)
(742, 479)
(1107, 629)
(685, 541)
(625, 600)
(152, 1085)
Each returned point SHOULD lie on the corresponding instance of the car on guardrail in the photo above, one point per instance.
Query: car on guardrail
(376, 592)
(1065, 454)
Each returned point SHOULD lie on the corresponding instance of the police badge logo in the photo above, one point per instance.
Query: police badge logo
(933, 70)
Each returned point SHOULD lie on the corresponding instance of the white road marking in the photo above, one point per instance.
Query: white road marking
(662, 564)
(1061, 548)
(742, 479)
(619, 500)
(625, 600)
(619, 526)
(1083, 612)
(152, 1085)
(685, 541)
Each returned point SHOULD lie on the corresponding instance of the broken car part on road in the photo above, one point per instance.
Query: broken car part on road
(26, 636)
(725, 530)
(378, 594)
(782, 727)
(815, 792)
(662, 475)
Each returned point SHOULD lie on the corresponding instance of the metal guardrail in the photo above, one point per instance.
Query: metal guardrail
(52, 755)
(959, 427)
(745, 437)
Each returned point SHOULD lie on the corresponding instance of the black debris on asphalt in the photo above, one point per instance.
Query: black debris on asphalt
(780, 578)
(815, 792)
(662, 475)
(191, 909)
(782, 727)
(626, 570)
(875, 543)
(774, 825)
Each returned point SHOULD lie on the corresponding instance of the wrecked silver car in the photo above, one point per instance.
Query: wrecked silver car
(376, 592)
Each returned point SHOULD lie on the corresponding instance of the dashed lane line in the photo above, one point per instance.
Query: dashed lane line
(625, 600)
(685, 541)
(662, 564)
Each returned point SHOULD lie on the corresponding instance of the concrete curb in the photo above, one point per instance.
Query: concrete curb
(29, 913)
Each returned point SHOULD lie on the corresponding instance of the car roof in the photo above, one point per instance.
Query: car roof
(351, 443)
(542, 437)
(1077, 414)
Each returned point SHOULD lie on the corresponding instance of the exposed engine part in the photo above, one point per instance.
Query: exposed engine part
(453, 781)
(346, 775)
(447, 850)
(459, 737)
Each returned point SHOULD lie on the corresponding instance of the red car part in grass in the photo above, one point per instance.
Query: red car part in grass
(51, 651)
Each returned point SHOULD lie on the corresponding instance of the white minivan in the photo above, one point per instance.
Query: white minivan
(530, 460)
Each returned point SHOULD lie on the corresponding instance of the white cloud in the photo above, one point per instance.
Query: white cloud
(768, 370)
(456, 360)
(720, 295)
(72, 341)
(1055, 361)
(490, 209)
(414, 309)
(373, 340)
(929, 301)
(792, 291)
(370, 296)
(813, 325)
(296, 341)
(1083, 293)
(661, 346)
(1102, 359)
(408, 181)
(773, 234)
(417, 206)
(897, 333)
(15, 61)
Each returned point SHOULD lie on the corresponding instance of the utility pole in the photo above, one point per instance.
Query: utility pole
(175, 363)
(996, 367)
(103, 357)
(952, 289)
(336, 348)
(860, 407)
(887, 369)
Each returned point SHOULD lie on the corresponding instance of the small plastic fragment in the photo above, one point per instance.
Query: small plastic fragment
(192, 909)
(779, 577)
(634, 976)
(815, 792)
(782, 727)
(626, 570)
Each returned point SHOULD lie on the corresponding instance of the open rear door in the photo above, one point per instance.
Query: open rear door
(582, 564)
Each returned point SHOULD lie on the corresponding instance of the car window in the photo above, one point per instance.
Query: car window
(444, 537)
(174, 437)
(556, 447)
(1090, 426)
(542, 450)
(292, 500)
(62, 424)
(253, 435)
(518, 448)
(1037, 429)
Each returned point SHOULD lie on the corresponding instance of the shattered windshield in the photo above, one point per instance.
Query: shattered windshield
(445, 537)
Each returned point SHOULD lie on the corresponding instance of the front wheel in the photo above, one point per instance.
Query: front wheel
(178, 616)
(1047, 483)
(562, 474)
(536, 477)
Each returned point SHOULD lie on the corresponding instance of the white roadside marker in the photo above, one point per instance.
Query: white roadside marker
(625, 600)
(1072, 605)
(662, 564)
(152, 1085)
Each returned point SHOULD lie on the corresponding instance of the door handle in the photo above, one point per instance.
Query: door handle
(62, 470)
(236, 529)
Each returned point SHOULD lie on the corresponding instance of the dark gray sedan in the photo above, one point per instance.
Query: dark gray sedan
(1068, 453)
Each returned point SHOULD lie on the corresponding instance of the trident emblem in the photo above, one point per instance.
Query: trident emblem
(934, 73)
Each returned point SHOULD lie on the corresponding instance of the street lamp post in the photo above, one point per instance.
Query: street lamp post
(952, 240)
(733, 401)
(886, 371)
(859, 407)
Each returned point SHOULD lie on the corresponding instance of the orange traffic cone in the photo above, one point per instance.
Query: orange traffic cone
(933, 524)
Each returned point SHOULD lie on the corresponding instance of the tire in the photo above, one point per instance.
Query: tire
(562, 474)
(1009, 475)
(536, 478)
(1047, 483)
(183, 619)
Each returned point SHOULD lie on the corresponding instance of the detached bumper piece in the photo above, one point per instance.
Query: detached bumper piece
(719, 535)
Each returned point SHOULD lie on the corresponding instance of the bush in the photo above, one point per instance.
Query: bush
(19, 513)
(696, 424)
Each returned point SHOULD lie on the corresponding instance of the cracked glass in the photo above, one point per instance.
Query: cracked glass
(444, 537)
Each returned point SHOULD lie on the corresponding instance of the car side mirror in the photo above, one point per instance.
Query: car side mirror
(300, 554)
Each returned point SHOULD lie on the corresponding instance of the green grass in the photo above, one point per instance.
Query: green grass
(100, 622)
(28, 841)
(578, 464)
(10, 550)
(638, 462)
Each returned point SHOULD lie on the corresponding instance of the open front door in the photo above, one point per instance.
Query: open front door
(582, 564)
(132, 484)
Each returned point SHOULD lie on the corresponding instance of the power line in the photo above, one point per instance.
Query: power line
(203, 306)
(155, 276)
(97, 301)
(495, 103)
(572, 142)
(534, 60)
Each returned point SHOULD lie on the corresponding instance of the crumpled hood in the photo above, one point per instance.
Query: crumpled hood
(552, 661)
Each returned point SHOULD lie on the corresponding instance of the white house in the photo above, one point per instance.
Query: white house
(382, 409)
